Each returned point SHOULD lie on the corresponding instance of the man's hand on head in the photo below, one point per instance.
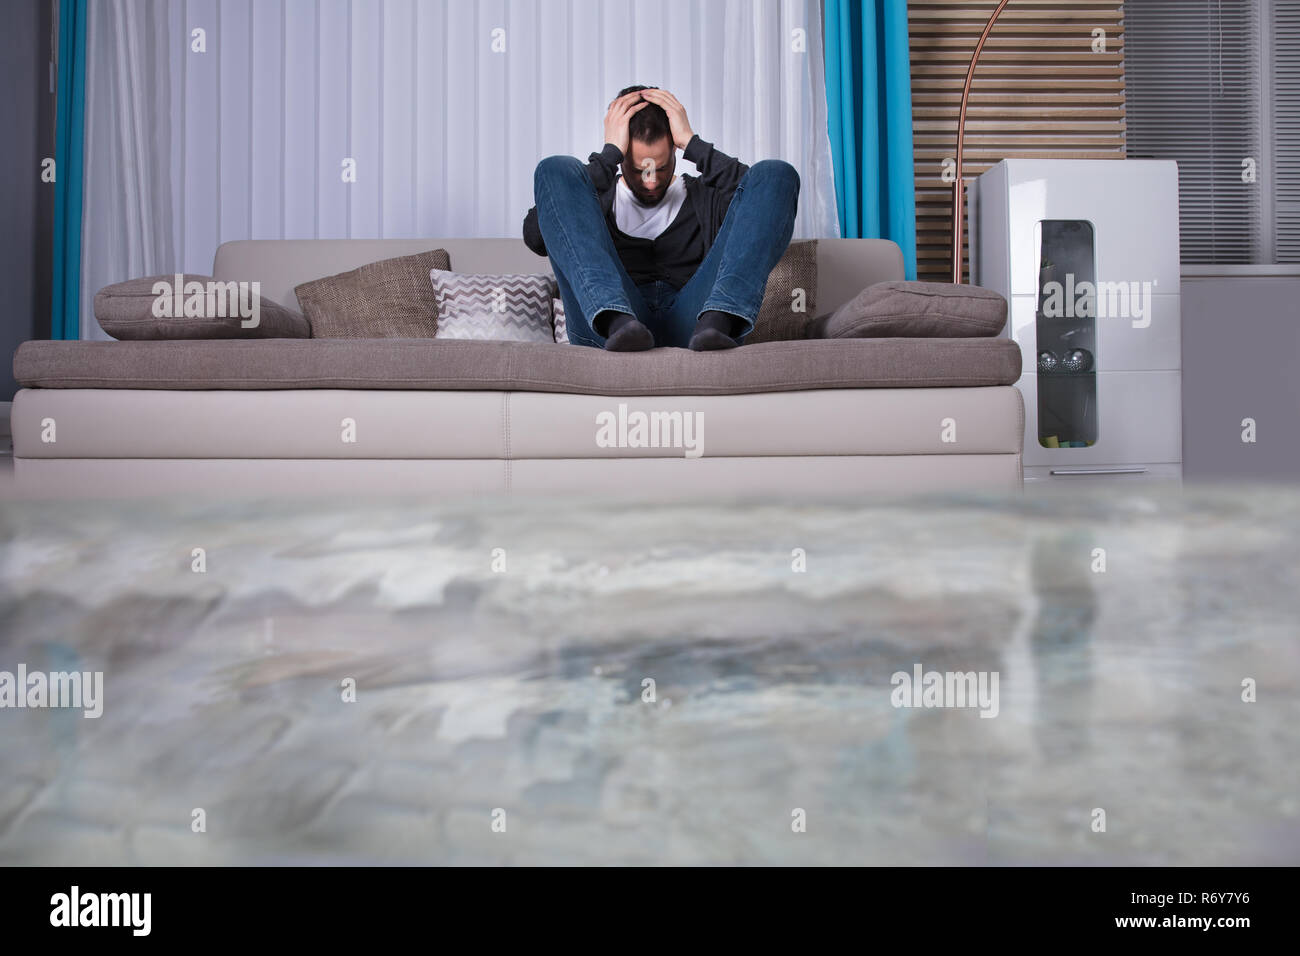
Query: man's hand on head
(616, 119)
(677, 121)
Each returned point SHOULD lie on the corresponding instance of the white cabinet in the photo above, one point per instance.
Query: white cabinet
(1086, 254)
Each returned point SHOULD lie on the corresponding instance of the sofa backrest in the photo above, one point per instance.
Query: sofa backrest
(844, 266)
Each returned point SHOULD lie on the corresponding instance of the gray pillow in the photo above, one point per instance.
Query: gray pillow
(915, 309)
(150, 309)
(389, 299)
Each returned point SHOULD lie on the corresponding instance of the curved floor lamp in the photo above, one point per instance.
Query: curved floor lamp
(958, 187)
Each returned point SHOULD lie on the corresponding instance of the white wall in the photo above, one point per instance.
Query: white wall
(1241, 359)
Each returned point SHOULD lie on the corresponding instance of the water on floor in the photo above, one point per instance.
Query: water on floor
(523, 682)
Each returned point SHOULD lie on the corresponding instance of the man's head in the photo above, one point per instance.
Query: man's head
(651, 157)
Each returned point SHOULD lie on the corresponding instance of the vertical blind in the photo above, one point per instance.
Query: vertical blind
(1040, 92)
(445, 107)
(1192, 70)
(1284, 29)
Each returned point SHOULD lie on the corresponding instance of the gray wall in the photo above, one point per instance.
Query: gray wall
(26, 204)
(1241, 359)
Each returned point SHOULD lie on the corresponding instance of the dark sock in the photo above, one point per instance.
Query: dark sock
(714, 331)
(623, 332)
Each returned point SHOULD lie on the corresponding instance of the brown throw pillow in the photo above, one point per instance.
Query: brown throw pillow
(390, 299)
(205, 308)
(777, 321)
(915, 309)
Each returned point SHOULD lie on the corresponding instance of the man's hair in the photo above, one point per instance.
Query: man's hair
(649, 124)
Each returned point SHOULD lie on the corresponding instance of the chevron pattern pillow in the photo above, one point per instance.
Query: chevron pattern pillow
(561, 327)
(512, 308)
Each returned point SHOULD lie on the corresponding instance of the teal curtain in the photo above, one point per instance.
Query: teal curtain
(869, 116)
(69, 136)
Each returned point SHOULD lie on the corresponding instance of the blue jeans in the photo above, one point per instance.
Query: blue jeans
(731, 279)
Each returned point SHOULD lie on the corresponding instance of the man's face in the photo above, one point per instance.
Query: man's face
(648, 169)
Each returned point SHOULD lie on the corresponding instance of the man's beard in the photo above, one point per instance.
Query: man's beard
(643, 200)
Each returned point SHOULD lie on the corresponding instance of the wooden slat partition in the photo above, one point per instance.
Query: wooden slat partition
(1039, 91)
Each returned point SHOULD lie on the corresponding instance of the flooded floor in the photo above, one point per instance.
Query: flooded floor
(536, 682)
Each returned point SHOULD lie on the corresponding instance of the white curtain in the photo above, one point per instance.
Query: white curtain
(129, 224)
(442, 107)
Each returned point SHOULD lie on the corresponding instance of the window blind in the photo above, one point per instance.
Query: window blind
(1192, 69)
(1285, 31)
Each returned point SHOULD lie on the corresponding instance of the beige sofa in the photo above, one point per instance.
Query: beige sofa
(269, 416)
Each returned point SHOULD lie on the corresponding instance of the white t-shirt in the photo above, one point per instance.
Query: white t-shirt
(647, 222)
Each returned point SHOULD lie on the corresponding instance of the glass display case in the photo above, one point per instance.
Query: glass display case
(1066, 334)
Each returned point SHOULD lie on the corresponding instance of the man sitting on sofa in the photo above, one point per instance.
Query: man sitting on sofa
(651, 258)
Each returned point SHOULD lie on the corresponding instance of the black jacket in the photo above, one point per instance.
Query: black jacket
(708, 193)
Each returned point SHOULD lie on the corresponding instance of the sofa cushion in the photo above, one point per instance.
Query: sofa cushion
(150, 309)
(386, 299)
(518, 366)
(399, 426)
(494, 307)
(920, 309)
(777, 319)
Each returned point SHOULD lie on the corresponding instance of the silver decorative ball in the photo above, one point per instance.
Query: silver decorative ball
(1046, 362)
(1078, 360)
